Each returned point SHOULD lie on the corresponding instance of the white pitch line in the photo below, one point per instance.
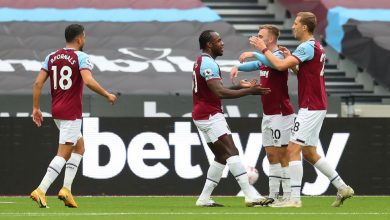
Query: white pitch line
(6, 202)
(189, 213)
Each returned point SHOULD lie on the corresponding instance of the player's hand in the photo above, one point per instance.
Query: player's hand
(245, 56)
(286, 52)
(111, 98)
(257, 43)
(258, 90)
(233, 74)
(247, 84)
(37, 117)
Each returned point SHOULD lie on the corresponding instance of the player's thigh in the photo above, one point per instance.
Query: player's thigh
(70, 131)
(270, 132)
(276, 130)
(307, 126)
(273, 154)
(285, 125)
(203, 126)
(79, 147)
(213, 128)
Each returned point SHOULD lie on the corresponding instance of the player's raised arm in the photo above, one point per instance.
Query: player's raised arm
(278, 64)
(37, 89)
(92, 84)
(245, 67)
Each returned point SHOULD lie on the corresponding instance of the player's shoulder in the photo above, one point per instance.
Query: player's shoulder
(46, 60)
(207, 59)
(81, 53)
(307, 44)
(278, 53)
(52, 53)
(207, 62)
(305, 50)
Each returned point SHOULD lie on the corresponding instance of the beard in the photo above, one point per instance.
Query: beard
(218, 52)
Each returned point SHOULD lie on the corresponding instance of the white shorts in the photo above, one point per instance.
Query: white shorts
(276, 129)
(307, 127)
(213, 128)
(70, 131)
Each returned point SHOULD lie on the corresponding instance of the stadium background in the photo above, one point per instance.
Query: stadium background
(144, 50)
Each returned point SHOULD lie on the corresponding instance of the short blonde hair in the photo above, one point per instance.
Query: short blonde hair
(271, 29)
(309, 19)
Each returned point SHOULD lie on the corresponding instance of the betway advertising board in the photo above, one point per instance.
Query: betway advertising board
(168, 156)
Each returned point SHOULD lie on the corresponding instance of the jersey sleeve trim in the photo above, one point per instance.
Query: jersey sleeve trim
(299, 60)
(86, 69)
(213, 79)
(47, 71)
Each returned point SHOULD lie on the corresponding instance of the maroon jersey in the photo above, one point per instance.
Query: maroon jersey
(205, 102)
(311, 82)
(63, 67)
(278, 101)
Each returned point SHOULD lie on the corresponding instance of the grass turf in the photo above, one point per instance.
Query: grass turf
(183, 208)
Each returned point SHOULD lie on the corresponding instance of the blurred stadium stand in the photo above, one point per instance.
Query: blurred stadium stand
(143, 54)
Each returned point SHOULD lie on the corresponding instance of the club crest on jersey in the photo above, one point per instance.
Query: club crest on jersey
(264, 73)
(301, 50)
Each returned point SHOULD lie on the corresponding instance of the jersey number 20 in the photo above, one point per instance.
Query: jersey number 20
(65, 82)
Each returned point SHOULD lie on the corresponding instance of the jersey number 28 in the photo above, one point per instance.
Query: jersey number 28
(322, 60)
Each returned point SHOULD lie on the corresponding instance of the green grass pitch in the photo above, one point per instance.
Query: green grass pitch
(176, 207)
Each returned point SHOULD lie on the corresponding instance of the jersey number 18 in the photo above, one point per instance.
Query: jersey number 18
(65, 82)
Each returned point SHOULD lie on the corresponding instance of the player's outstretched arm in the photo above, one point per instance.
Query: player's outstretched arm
(224, 93)
(245, 67)
(92, 84)
(37, 89)
(278, 64)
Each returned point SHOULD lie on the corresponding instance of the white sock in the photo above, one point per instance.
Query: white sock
(53, 171)
(71, 169)
(214, 175)
(275, 175)
(323, 166)
(296, 174)
(286, 186)
(238, 170)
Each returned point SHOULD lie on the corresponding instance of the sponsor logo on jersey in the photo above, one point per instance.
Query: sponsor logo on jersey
(264, 73)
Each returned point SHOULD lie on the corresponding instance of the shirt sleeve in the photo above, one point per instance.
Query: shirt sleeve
(249, 66)
(209, 69)
(45, 63)
(304, 52)
(263, 59)
(84, 61)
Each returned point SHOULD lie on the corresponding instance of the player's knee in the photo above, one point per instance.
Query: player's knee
(231, 152)
(293, 153)
(227, 154)
(65, 156)
(220, 159)
(79, 151)
(310, 155)
(273, 157)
